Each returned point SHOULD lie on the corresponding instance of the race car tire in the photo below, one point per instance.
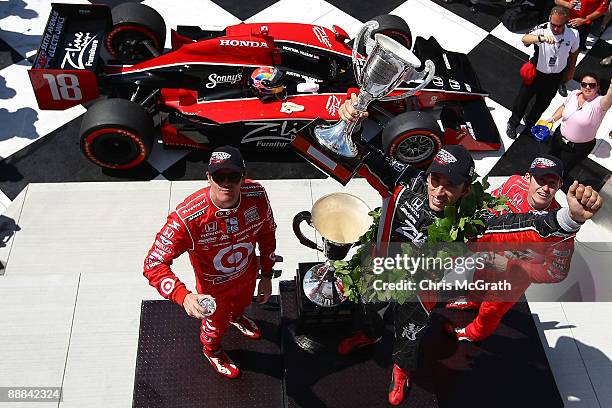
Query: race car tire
(412, 138)
(116, 134)
(394, 27)
(134, 23)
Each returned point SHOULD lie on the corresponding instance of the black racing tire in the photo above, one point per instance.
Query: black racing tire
(117, 134)
(412, 138)
(394, 27)
(134, 23)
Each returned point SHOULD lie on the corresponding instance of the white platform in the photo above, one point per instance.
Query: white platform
(71, 293)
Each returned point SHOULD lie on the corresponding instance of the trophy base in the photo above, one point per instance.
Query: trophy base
(318, 329)
(321, 288)
(341, 168)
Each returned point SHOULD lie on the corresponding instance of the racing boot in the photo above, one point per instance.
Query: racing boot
(247, 327)
(355, 342)
(221, 363)
(400, 383)
(462, 303)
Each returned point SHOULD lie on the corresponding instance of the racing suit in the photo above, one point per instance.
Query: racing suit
(405, 217)
(546, 262)
(221, 247)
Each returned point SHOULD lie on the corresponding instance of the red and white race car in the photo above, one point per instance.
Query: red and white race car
(201, 94)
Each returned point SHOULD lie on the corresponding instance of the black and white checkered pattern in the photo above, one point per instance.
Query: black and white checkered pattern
(42, 146)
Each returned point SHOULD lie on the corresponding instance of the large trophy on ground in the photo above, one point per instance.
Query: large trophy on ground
(388, 65)
(340, 219)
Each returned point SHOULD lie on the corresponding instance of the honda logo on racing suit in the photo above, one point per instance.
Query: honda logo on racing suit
(244, 43)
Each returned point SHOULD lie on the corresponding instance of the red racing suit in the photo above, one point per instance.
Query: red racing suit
(221, 247)
(542, 263)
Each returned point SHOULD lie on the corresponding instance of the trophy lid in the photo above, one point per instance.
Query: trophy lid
(341, 217)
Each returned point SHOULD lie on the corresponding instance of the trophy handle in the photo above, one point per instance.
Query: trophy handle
(364, 32)
(428, 73)
(297, 220)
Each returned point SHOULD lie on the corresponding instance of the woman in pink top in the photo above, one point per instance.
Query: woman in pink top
(580, 114)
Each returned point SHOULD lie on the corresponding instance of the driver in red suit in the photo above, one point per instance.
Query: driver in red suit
(219, 227)
(547, 261)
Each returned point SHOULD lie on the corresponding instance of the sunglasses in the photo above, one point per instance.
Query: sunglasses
(231, 178)
(591, 85)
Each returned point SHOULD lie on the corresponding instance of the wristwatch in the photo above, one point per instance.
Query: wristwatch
(267, 274)
(540, 38)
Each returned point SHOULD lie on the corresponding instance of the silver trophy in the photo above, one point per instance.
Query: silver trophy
(340, 219)
(388, 65)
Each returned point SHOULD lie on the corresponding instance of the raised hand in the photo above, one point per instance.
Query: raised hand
(583, 202)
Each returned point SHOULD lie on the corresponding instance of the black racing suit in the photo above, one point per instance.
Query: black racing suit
(405, 218)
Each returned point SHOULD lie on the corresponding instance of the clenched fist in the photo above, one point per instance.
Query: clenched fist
(583, 202)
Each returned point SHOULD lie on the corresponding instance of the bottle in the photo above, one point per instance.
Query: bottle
(209, 305)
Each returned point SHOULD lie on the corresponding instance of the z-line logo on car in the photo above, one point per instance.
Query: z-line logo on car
(321, 36)
(222, 79)
(75, 52)
(333, 104)
(272, 134)
(244, 43)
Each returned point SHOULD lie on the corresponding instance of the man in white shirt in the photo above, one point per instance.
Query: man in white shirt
(556, 50)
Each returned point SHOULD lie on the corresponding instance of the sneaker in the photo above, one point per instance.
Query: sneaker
(400, 379)
(355, 342)
(247, 327)
(461, 335)
(462, 303)
(511, 131)
(221, 363)
(563, 90)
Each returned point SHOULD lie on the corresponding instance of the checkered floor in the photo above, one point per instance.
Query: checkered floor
(42, 146)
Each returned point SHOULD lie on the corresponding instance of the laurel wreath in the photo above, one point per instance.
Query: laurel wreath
(460, 223)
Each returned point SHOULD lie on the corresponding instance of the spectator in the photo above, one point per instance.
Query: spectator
(582, 15)
(556, 50)
(605, 21)
(580, 114)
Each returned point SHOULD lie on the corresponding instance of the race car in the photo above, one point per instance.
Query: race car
(250, 85)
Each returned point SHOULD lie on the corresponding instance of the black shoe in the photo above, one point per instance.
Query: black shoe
(563, 90)
(511, 131)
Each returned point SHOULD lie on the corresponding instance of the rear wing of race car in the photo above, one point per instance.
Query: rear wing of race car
(64, 71)
(454, 72)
